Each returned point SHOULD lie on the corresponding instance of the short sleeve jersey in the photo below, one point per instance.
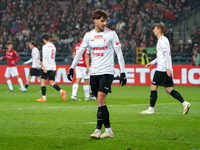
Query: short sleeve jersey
(101, 46)
(81, 63)
(162, 46)
(11, 56)
(35, 58)
(48, 56)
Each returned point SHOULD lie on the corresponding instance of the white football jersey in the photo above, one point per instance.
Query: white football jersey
(35, 58)
(49, 53)
(101, 46)
(163, 45)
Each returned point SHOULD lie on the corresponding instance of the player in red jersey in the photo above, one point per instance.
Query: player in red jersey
(82, 71)
(12, 57)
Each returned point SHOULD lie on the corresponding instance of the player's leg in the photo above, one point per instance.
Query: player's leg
(7, 76)
(28, 81)
(94, 83)
(75, 89)
(56, 86)
(79, 75)
(104, 89)
(157, 80)
(44, 77)
(177, 95)
(15, 74)
(86, 86)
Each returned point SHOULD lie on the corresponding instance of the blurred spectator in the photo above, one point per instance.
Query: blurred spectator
(173, 49)
(120, 24)
(181, 48)
(21, 26)
(188, 47)
(195, 58)
(14, 27)
(169, 14)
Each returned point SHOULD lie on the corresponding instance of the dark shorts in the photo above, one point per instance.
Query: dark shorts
(49, 75)
(35, 72)
(162, 79)
(101, 83)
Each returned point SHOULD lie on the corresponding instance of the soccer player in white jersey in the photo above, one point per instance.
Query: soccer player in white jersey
(163, 74)
(82, 71)
(49, 68)
(35, 68)
(101, 42)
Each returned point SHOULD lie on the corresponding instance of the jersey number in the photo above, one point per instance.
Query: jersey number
(52, 53)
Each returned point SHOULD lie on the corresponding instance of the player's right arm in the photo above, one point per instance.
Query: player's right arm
(81, 50)
(28, 61)
(87, 60)
(44, 58)
(74, 52)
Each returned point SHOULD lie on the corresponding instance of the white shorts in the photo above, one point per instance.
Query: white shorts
(81, 72)
(11, 71)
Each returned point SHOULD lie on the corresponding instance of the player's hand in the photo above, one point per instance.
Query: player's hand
(87, 71)
(123, 79)
(41, 63)
(70, 74)
(148, 65)
(38, 68)
(44, 70)
(24, 64)
(12, 62)
(169, 73)
(1, 58)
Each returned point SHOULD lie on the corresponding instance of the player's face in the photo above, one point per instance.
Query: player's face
(10, 46)
(30, 46)
(100, 24)
(155, 31)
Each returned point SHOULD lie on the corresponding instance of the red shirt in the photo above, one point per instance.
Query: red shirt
(11, 56)
(81, 62)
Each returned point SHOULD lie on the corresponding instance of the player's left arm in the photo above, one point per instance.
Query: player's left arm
(167, 53)
(118, 51)
(87, 61)
(16, 58)
(44, 53)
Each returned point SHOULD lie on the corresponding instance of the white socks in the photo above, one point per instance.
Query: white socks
(108, 129)
(86, 90)
(74, 89)
(98, 130)
(44, 97)
(184, 103)
(60, 90)
(10, 84)
(151, 108)
(21, 83)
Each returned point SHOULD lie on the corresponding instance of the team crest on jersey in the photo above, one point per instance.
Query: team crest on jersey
(117, 43)
(104, 39)
(98, 36)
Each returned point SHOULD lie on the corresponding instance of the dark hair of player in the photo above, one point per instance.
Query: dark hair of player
(82, 35)
(45, 36)
(161, 27)
(8, 43)
(97, 14)
(33, 43)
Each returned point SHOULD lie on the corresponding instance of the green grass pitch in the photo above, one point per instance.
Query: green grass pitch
(29, 125)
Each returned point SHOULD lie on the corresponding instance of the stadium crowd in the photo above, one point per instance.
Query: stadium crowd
(24, 20)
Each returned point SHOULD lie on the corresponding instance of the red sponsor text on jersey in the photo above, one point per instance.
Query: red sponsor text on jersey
(97, 54)
(98, 36)
(99, 48)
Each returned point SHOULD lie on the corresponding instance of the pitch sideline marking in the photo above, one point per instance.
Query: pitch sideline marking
(57, 107)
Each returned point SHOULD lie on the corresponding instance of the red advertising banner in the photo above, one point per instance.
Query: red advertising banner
(136, 75)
